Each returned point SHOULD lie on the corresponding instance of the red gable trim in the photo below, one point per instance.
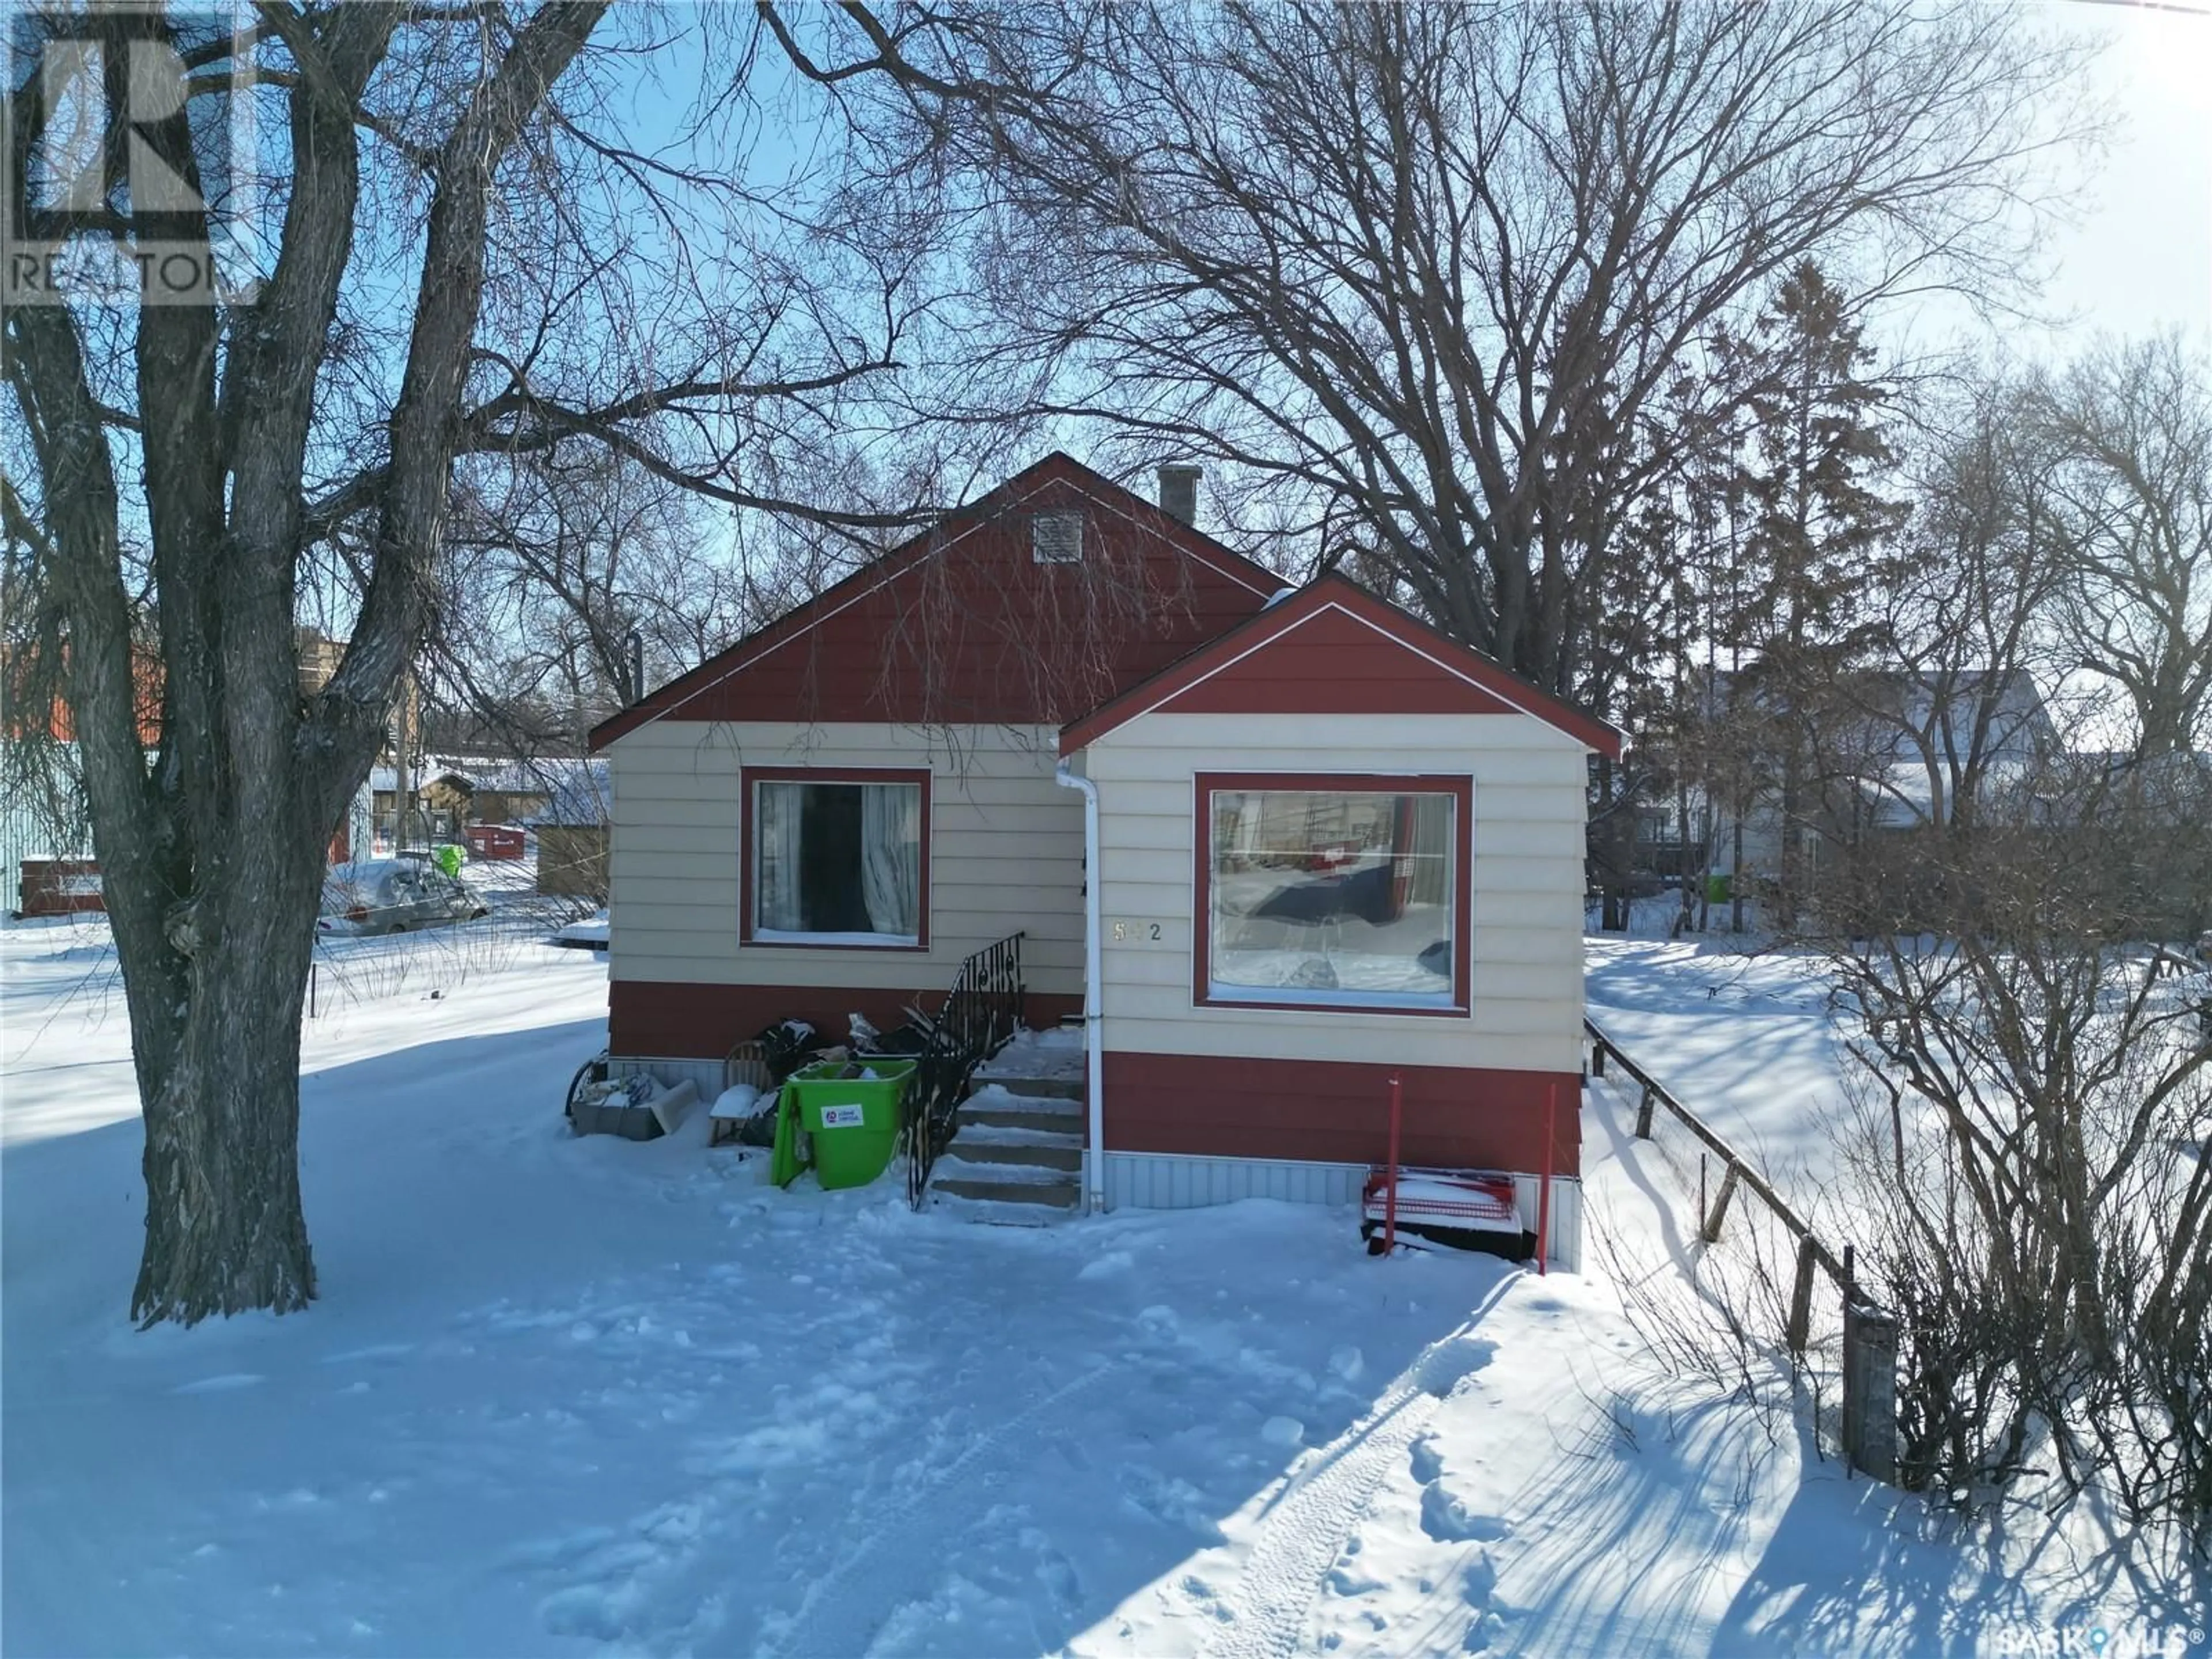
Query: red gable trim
(1333, 593)
(1055, 468)
(1329, 661)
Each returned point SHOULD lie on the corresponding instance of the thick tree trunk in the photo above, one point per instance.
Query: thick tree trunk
(225, 1228)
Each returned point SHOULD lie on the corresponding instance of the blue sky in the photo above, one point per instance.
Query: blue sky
(2140, 258)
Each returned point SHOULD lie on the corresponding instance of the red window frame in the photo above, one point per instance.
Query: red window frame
(1461, 788)
(749, 775)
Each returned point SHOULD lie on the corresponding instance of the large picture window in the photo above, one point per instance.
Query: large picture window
(1333, 893)
(838, 858)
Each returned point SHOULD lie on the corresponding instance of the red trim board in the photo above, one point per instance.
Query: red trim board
(1339, 1111)
(690, 1020)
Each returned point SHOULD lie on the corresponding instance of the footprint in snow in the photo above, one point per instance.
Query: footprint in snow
(1055, 1570)
(1423, 1458)
(1449, 1520)
(1450, 1362)
(1485, 1632)
(1480, 1582)
(1347, 1580)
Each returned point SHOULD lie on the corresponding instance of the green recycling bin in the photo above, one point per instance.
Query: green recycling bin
(849, 1109)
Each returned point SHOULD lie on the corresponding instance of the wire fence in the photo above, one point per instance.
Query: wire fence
(349, 970)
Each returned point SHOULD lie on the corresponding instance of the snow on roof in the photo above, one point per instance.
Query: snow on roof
(577, 791)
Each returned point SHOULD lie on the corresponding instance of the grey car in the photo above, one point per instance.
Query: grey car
(395, 896)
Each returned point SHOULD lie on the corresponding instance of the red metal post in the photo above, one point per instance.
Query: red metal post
(1544, 1194)
(1390, 1192)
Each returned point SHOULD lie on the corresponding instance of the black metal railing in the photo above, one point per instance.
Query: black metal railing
(978, 1016)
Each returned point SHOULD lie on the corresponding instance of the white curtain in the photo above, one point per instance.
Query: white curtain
(890, 857)
(1430, 868)
(776, 842)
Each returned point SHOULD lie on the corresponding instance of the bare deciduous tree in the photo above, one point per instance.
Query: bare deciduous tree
(2133, 426)
(466, 260)
(1425, 270)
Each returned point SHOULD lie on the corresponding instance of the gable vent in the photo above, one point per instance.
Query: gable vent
(1056, 538)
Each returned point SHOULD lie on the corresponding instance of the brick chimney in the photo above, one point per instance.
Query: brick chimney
(1179, 492)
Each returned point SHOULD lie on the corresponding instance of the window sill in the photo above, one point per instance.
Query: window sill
(1331, 1002)
(779, 938)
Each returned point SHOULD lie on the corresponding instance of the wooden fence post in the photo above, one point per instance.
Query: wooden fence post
(1643, 1115)
(1597, 1057)
(1711, 1229)
(1869, 1426)
(1801, 1296)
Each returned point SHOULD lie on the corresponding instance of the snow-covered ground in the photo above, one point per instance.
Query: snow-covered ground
(567, 1397)
(1744, 1040)
(594, 930)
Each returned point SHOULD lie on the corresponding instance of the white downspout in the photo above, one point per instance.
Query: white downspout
(1094, 1156)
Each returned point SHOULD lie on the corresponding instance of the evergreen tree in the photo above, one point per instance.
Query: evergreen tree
(1814, 537)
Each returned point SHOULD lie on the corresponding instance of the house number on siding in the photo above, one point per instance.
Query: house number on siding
(1137, 932)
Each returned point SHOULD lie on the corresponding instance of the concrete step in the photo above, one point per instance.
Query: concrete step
(999, 1107)
(1034, 1194)
(990, 1212)
(1067, 1131)
(984, 1165)
(1039, 1118)
(1035, 1088)
(985, 1144)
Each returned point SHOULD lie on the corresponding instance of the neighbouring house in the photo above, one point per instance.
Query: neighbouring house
(47, 866)
(572, 831)
(46, 862)
(1310, 849)
(1891, 756)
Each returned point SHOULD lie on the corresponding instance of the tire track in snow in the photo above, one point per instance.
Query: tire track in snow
(829, 1623)
(1304, 1532)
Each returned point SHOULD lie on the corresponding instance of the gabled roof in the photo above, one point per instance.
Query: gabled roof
(686, 695)
(1325, 619)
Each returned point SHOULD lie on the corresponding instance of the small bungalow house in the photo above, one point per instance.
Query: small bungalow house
(1282, 847)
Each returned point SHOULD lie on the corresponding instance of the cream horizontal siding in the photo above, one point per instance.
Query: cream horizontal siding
(1527, 883)
(1006, 853)
(1549, 946)
(1558, 909)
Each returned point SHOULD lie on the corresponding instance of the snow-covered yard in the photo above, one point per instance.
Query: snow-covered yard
(1745, 1041)
(563, 1395)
